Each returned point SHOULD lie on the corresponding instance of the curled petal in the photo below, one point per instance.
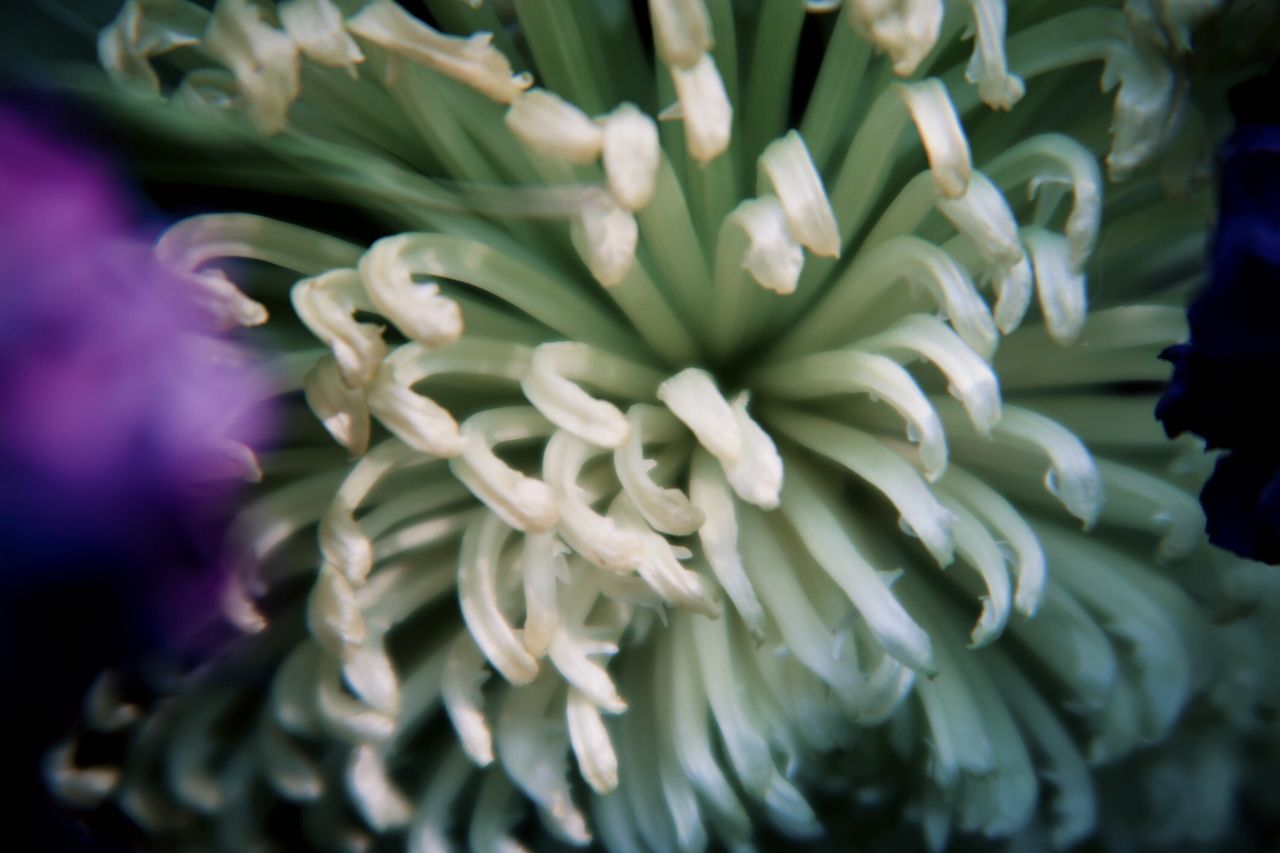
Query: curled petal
(704, 107)
(1060, 286)
(606, 235)
(971, 380)
(523, 502)
(795, 180)
(904, 29)
(373, 793)
(941, 133)
(631, 153)
(417, 310)
(773, 256)
(326, 304)
(988, 67)
(600, 540)
(472, 60)
(719, 537)
(464, 676)
(667, 510)
(318, 29)
(341, 409)
(554, 127)
(591, 743)
(681, 30)
(549, 386)
(145, 29)
(478, 559)
(263, 59)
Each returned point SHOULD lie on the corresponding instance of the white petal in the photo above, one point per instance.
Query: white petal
(773, 257)
(464, 674)
(983, 215)
(263, 59)
(826, 540)
(1013, 295)
(692, 396)
(704, 107)
(979, 550)
(554, 127)
(341, 409)
(606, 234)
(523, 502)
(533, 754)
(852, 372)
(287, 767)
(472, 60)
(798, 186)
(1073, 477)
(373, 793)
(344, 544)
(1053, 158)
(631, 156)
(326, 304)
(719, 537)
(571, 655)
(970, 378)
(660, 567)
(904, 29)
(867, 457)
(681, 30)
(598, 539)
(1060, 286)
(417, 310)
(226, 304)
(81, 787)
(941, 133)
(668, 510)
(478, 559)
(1147, 108)
(333, 615)
(371, 676)
(988, 67)
(146, 29)
(756, 476)
(416, 420)
(1005, 520)
(597, 760)
(541, 567)
(318, 29)
(547, 385)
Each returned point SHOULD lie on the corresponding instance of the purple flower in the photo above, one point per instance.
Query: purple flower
(1223, 377)
(120, 408)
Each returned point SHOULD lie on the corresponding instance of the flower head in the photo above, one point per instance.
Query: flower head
(746, 466)
(118, 463)
(122, 410)
(1234, 344)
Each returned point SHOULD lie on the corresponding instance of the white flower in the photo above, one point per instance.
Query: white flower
(699, 457)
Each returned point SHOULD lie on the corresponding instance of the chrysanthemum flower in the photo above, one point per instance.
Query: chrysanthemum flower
(751, 422)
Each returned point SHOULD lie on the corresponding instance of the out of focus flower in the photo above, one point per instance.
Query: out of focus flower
(1234, 348)
(785, 479)
(125, 417)
(122, 417)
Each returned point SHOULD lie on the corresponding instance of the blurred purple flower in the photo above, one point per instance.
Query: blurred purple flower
(118, 405)
(1223, 375)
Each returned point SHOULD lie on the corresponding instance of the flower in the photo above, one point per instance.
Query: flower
(119, 403)
(120, 406)
(728, 459)
(1234, 343)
